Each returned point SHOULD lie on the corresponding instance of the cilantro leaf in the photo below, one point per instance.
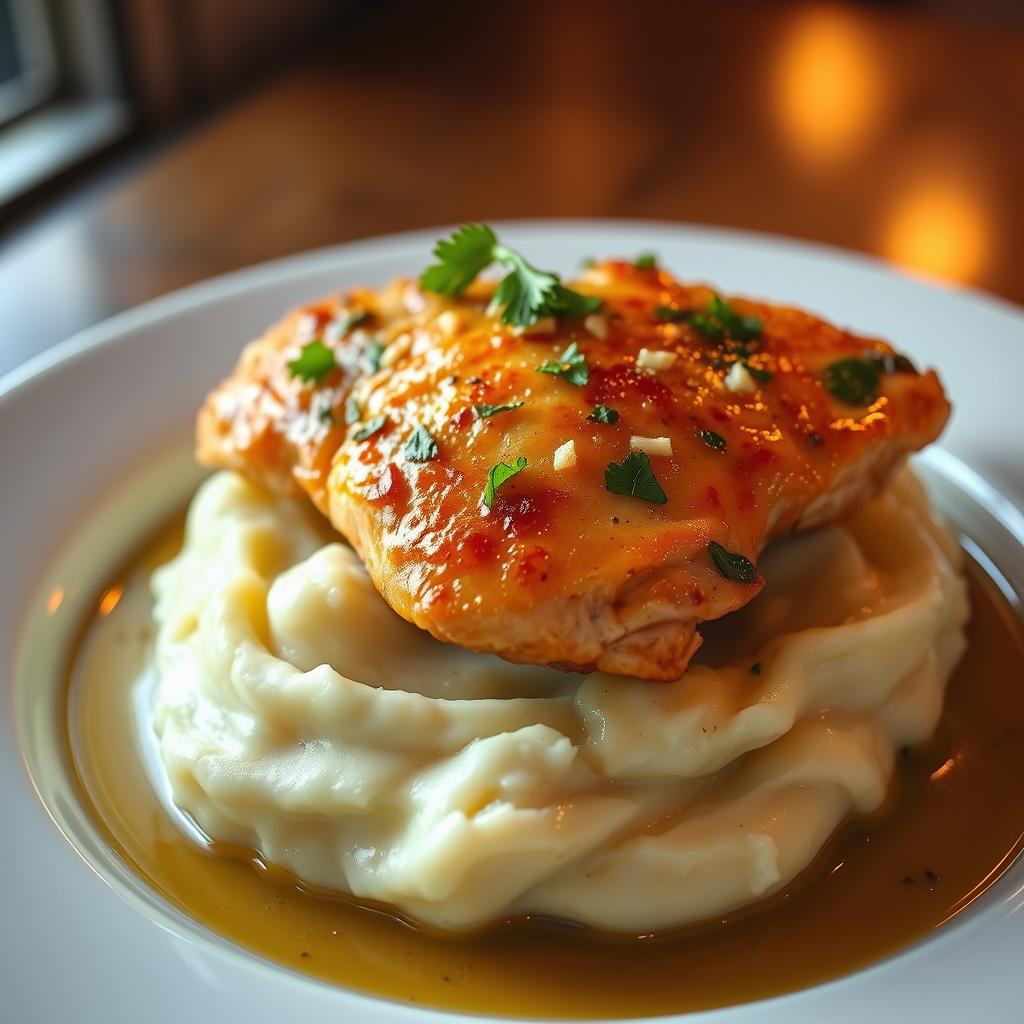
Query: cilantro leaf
(634, 478)
(646, 261)
(524, 295)
(369, 429)
(742, 328)
(670, 314)
(314, 362)
(603, 414)
(714, 441)
(484, 411)
(373, 352)
(499, 475)
(461, 258)
(421, 446)
(352, 413)
(731, 565)
(571, 365)
(852, 381)
(566, 302)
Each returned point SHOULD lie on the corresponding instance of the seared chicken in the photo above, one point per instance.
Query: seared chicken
(666, 437)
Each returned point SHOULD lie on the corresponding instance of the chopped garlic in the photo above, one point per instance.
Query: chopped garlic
(545, 325)
(739, 379)
(449, 323)
(565, 456)
(398, 348)
(651, 445)
(652, 359)
(597, 325)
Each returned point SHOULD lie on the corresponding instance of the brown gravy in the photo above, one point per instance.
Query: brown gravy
(953, 824)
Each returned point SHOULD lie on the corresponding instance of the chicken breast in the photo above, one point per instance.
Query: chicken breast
(583, 491)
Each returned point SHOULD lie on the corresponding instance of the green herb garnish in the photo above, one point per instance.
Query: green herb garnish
(634, 478)
(314, 362)
(714, 441)
(646, 261)
(374, 352)
(731, 565)
(326, 414)
(852, 381)
(603, 414)
(742, 328)
(371, 428)
(571, 365)
(485, 411)
(524, 295)
(352, 413)
(500, 474)
(670, 314)
(421, 446)
(755, 669)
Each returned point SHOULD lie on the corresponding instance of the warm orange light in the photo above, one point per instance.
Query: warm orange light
(939, 227)
(827, 93)
(110, 599)
(55, 600)
(943, 770)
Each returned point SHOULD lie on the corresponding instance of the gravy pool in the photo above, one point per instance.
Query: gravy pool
(953, 823)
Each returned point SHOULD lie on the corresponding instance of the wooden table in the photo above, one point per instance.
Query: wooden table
(900, 135)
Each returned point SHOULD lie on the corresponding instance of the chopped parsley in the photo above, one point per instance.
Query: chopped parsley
(634, 478)
(670, 314)
(646, 261)
(571, 365)
(852, 381)
(755, 669)
(485, 411)
(721, 321)
(314, 362)
(352, 412)
(371, 428)
(326, 414)
(731, 565)
(524, 295)
(374, 352)
(603, 414)
(421, 446)
(714, 441)
(500, 474)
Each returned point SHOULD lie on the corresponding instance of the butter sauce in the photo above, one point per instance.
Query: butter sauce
(953, 823)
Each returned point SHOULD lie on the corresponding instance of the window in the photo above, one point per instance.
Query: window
(28, 75)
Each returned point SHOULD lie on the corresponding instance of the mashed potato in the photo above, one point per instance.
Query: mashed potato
(299, 715)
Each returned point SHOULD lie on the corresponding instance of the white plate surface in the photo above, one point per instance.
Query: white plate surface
(82, 417)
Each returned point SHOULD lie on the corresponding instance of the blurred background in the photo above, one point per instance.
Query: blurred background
(148, 144)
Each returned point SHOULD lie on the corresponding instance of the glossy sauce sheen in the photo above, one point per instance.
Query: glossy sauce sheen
(953, 823)
(560, 570)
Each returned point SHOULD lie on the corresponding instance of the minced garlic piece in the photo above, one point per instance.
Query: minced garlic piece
(739, 379)
(398, 348)
(449, 323)
(651, 445)
(565, 456)
(652, 359)
(597, 325)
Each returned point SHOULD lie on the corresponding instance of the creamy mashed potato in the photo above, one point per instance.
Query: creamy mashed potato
(299, 715)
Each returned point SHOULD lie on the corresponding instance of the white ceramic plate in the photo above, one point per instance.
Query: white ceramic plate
(80, 421)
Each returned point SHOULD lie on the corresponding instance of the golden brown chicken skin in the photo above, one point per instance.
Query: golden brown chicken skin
(746, 438)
